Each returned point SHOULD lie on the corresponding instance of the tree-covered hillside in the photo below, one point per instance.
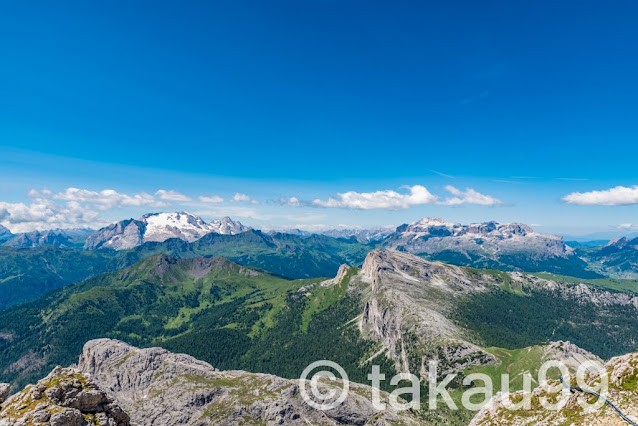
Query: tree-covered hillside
(231, 316)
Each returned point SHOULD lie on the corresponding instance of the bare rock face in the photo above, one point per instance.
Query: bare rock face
(122, 235)
(410, 305)
(158, 387)
(490, 239)
(5, 388)
(63, 398)
(569, 354)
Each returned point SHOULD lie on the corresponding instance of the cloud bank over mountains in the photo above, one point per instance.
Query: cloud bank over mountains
(82, 208)
(416, 195)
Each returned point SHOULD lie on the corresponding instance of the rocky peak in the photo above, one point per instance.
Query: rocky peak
(65, 397)
(408, 312)
(5, 389)
(159, 227)
(5, 233)
(569, 354)
(227, 226)
(617, 242)
(432, 221)
(394, 267)
(488, 240)
(621, 244)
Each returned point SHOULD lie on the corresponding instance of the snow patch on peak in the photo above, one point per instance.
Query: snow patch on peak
(433, 221)
(159, 227)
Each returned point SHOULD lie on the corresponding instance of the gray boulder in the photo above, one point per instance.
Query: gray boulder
(63, 398)
(5, 389)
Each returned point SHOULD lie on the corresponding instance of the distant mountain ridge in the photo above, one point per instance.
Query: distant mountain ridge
(510, 246)
(28, 273)
(618, 258)
(361, 235)
(430, 235)
(159, 227)
(63, 238)
(5, 234)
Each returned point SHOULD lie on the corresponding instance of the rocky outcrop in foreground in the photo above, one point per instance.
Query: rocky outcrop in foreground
(157, 387)
(623, 393)
(63, 398)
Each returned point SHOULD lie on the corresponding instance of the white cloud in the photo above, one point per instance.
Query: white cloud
(290, 201)
(628, 226)
(618, 196)
(46, 214)
(392, 200)
(211, 199)
(469, 196)
(239, 197)
(171, 195)
(75, 207)
(103, 200)
(388, 199)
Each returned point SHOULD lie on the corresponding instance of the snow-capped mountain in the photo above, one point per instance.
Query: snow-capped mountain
(159, 227)
(490, 240)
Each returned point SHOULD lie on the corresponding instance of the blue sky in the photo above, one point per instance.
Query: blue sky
(522, 102)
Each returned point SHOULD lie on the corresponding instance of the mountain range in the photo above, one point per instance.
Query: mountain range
(398, 310)
(159, 227)
(34, 263)
(618, 258)
(509, 247)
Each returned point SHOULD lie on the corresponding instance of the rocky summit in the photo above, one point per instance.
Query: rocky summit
(157, 387)
(65, 397)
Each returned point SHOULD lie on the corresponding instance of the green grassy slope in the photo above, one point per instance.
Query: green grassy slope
(27, 274)
(216, 310)
(282, 254)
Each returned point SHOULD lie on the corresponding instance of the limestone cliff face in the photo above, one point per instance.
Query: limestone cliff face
(410, 307)
(63, 398)
(158, 387)
(408, 310)
(490, 239)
